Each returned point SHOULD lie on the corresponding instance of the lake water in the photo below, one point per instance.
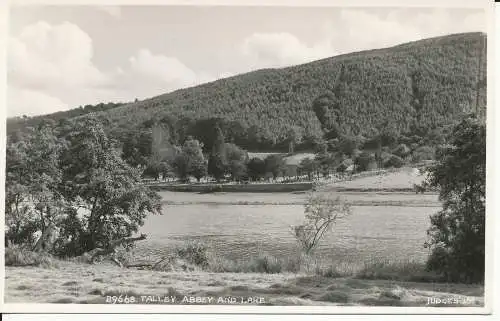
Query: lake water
(237, 231)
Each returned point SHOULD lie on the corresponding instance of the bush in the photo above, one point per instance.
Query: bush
(423, 153)
(261, 263)
(394, 161)
(365, 161)
(402, 151)
(21, 256)
(335, 296)
(195, 253)
(22, 232)
(397, 271)
(266, 264)
(341, 168)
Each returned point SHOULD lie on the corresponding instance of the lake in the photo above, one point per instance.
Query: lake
(238, 231)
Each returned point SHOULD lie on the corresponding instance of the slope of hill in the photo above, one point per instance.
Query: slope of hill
(406, 89)
(19, 123)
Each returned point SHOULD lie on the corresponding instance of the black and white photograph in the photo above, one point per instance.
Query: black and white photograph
(247, 158)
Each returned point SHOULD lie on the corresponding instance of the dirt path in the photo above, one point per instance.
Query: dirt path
(82, 283)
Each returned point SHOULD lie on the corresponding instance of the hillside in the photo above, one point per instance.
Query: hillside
(19, 123)
(407, 89)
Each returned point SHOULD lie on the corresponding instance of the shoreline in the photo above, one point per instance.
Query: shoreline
(243, 188)
(270, 203)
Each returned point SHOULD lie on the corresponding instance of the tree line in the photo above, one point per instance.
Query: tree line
(206, 152)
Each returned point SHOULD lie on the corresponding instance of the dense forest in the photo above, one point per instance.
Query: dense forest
(412, 89)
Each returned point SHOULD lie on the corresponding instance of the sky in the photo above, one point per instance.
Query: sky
(63, 57)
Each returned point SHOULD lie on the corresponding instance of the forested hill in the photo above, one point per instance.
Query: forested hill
(407, 89)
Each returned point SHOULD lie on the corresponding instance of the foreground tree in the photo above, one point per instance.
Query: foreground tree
(104, 188)
(321, 213)
(457, 232)
(32, 201)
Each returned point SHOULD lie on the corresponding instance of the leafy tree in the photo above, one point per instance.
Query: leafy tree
(180, 166)
(236, 159)
(341, 168)
(326, 110)
(157, 168)
(394, 161)
(321, 213)
(137, 148)
(256, 168)
(401, 151)
(275, 164)
(423, 153)
(365, 161)
(308, 166)
(348, 145)
(32, 179)
(97, 180)
(191, 161)
(457, 232)
(208, 131)
(294, 138)
(326, 163)
(217, 162)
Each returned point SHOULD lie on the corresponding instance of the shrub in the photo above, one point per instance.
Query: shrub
(21, 256)
(423, 153)
(397, 271)
(394, 161)
(402, 151)
(335, 296)
(341, 168)
(261, 263)
(195, 253)
(266, 264)
(365, 161)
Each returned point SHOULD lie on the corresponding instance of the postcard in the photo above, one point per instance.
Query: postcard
(256, 157)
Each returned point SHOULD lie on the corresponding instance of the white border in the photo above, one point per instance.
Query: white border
(491, 182)
(289, 3)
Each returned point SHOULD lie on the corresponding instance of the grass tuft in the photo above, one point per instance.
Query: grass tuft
(20, 256)
(334, 296)
(397, 271)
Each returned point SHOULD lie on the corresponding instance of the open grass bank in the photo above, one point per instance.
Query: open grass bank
(81, 283)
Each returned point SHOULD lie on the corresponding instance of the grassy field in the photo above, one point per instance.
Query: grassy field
(294, 159)
(404, 178)
(299, 198)
(71, 282)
